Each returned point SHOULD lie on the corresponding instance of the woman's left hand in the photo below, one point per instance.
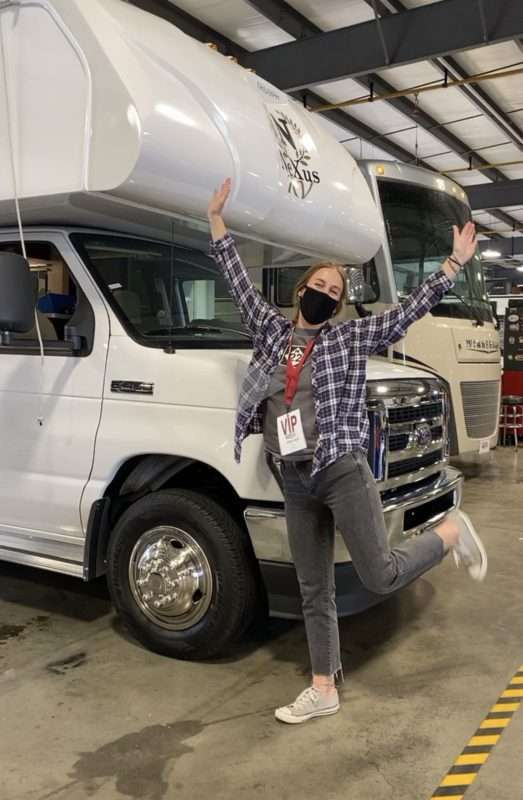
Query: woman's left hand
(464, 242)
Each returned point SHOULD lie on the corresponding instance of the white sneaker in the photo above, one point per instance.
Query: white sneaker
(310, 703)
(469, 550)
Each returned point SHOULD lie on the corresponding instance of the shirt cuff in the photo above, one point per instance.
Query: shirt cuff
(443, 280)
(221, 244)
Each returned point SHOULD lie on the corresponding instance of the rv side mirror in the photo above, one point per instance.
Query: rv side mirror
(358, 291)
(17, 297)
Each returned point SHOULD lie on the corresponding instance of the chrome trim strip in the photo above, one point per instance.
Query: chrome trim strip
(412, 477)
(451, 480)
(396, 512)
(395, 426)
(378, 439)
(417, 420)
(398, 428)
(414, 451)
(41, 562)
(63, 546)
(422, 401)
(132, 387)
(40, 549)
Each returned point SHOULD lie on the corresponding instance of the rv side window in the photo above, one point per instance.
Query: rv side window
(57, 299)
(284, 279)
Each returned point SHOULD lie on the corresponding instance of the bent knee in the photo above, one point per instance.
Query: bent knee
(378, 584)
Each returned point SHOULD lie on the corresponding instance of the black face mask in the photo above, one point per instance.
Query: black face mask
(316, 307)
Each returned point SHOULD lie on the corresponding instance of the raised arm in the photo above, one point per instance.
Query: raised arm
(254, 310)
(384, 329)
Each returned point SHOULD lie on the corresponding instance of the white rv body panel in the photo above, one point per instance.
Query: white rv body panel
(120, 102)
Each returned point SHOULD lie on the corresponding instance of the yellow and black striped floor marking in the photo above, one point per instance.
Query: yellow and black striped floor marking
(466, 767)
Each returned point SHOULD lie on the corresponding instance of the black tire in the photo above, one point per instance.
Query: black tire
(232, 600)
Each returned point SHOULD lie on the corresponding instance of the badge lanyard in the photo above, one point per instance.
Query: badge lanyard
(294, 371)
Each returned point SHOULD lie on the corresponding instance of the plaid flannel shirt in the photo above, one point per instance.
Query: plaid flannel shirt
(339, 358)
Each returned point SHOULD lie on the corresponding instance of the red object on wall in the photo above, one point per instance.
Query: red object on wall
(512, 383)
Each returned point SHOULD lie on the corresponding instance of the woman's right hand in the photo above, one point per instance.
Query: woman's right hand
(218, 200)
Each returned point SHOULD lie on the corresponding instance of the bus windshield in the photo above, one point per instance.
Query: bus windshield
(419, 224)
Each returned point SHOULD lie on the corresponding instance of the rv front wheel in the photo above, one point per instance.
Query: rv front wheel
(182, 574)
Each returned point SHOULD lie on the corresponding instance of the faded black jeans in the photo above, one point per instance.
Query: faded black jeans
(343, 495)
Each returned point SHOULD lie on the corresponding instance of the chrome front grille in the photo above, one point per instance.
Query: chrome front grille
(481, 407)
(408, 431)
(408, 465)
(400, 441)
(417, 413)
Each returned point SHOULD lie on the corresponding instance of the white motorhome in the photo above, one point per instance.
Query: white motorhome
(118, 405)
(458, 340)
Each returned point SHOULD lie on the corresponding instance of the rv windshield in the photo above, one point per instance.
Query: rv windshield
(419, 224)
(163, 293)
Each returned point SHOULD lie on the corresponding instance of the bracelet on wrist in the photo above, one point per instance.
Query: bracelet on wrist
(455, 261)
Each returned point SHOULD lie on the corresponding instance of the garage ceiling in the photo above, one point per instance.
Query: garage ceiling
(337, 51)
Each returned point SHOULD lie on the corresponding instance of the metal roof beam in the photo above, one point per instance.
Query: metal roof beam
(481, 99)
(282, 15)
(493, 195)
(415, 35)
(355, 126)
(424, 120)
(189, 25)
(476, 93)
(286, 17)
(288, 20)
(428, 123)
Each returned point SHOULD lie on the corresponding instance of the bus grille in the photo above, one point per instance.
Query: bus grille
(481, 407)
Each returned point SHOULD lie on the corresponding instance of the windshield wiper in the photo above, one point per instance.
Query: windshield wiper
(468, 305)
(174, 331)
(215, 329)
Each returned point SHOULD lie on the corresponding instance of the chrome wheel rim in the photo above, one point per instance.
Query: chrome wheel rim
(170, 578)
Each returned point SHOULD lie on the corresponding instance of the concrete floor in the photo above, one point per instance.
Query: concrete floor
(85, 712)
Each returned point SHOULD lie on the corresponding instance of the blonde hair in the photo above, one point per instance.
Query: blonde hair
(308, 274)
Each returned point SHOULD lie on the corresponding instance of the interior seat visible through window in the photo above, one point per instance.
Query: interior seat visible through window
(47, 330)
(130, 304)
(55, 291)
(59, 302)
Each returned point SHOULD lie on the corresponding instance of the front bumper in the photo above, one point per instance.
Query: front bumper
(407, 514)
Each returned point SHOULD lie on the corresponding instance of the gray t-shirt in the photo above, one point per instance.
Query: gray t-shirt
(275, 404)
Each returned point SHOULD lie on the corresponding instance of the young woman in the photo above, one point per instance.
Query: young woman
(305, 391)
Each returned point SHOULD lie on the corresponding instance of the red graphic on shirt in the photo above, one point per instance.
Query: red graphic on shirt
(294, 353)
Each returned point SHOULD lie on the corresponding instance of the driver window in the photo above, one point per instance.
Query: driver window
(55, 290)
